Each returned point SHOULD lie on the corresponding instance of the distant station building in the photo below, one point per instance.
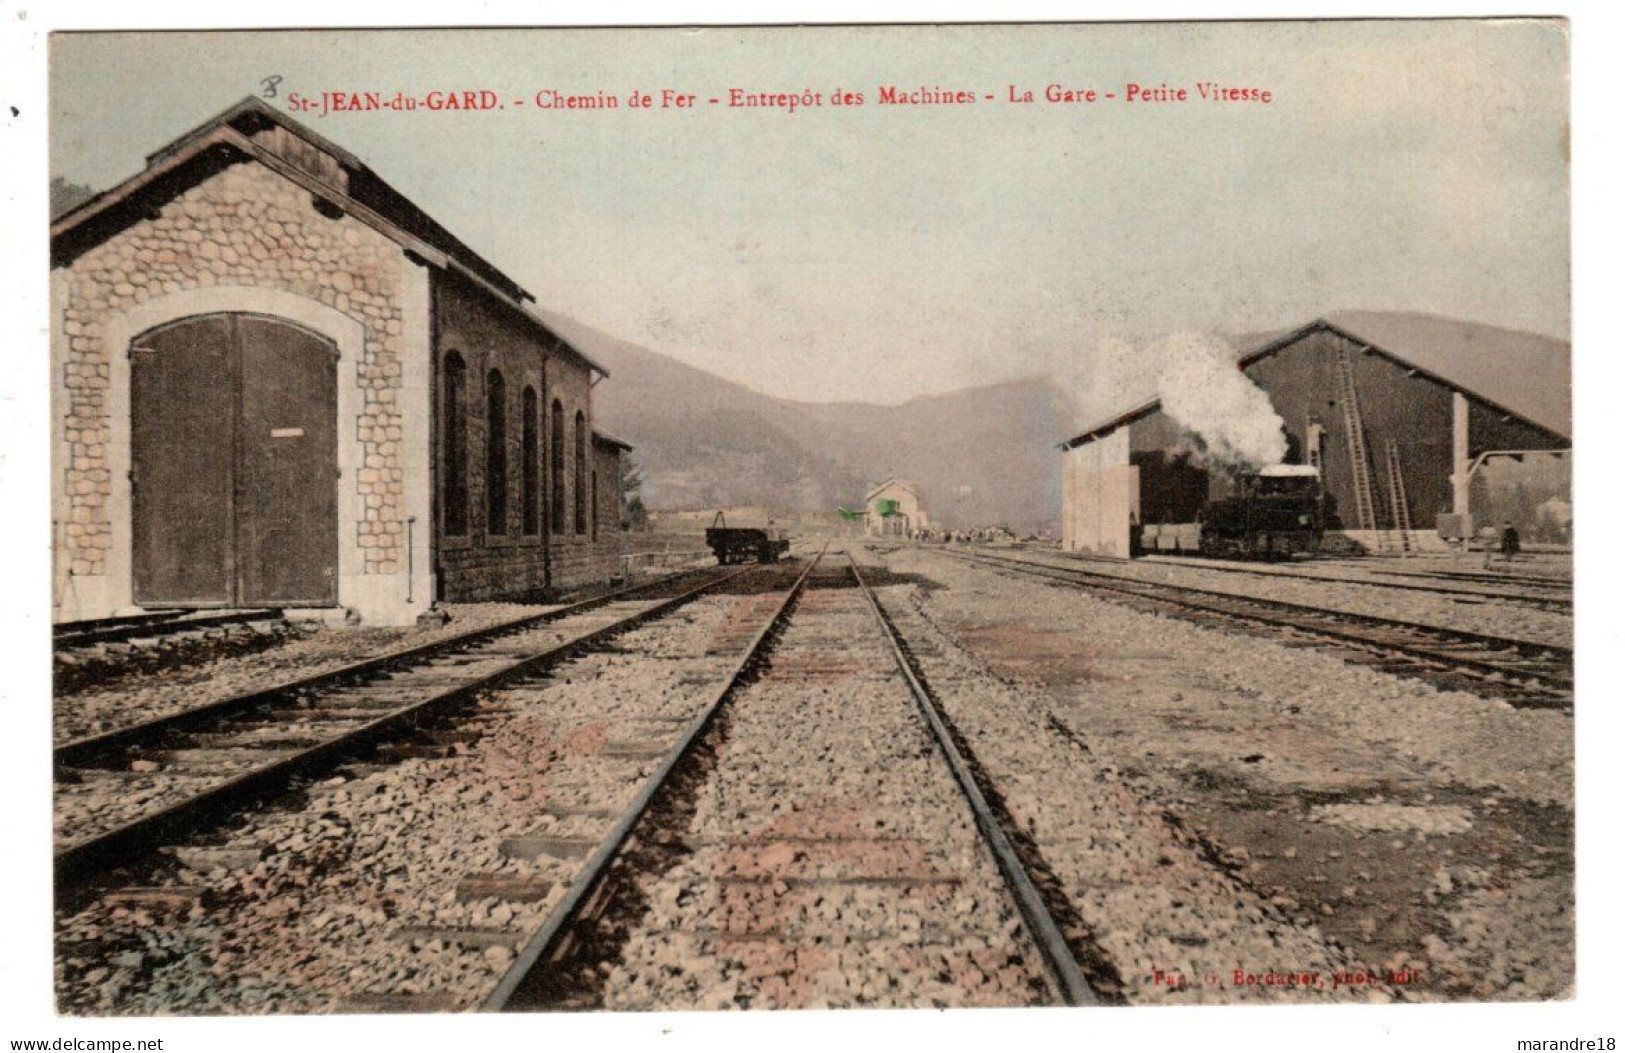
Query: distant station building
(1409, 418)
(278, 382)
(894, 509)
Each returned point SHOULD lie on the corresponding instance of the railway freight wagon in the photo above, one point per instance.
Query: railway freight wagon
(742, 544)
(277, 382)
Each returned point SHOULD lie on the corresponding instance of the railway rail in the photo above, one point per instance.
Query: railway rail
(1521, 672)
(153, 625)
(89, 652)
(1554, 597)
(197, 766)
(589, 933)
(1565, 585)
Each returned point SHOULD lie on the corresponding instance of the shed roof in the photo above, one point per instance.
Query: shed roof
(604, 438)
(228, 136)
(1520, 373)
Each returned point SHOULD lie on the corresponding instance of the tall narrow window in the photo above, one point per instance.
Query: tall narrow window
(597, 512)
(496, 454)
(581, 472)
(555, 466)
(454, 467)
(528, 461)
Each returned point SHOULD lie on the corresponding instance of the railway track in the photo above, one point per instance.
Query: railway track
(740, 871)
(185, 772)
(152, 625)
(1553, 597)
(1520, 672)
(89, 652)
(1563, 585)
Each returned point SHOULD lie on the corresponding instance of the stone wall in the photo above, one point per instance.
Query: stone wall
(247, 240)
(244, 230)
(482, 564)
(611, 542)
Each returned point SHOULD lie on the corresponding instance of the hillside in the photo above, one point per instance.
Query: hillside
(980, 456)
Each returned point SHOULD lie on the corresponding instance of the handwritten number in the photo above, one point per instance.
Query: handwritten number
(269, 84)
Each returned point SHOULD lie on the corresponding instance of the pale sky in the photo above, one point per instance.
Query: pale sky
(882, 252)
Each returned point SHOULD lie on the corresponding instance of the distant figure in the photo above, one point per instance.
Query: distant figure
(1509, 542)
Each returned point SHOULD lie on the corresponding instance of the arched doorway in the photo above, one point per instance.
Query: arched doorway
(234, 463)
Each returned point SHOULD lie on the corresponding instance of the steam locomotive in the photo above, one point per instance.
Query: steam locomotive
(1276, 514)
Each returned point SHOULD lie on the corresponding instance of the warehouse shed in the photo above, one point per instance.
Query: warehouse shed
(278, 382)
(1402, 413)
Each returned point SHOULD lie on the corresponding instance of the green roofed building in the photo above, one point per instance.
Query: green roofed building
(894, 509)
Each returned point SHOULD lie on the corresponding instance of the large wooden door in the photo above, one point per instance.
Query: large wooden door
(234, 449)
(182, 409)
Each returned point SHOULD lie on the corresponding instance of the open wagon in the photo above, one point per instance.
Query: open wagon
(738, 544)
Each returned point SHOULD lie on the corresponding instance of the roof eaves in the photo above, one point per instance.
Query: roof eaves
(218, 131)
(1442, 381)
(168, 161)
(566, 345)
(892, 480)
(1283, 341)
(114, 195)
(225, 135)
(1111, 424)
(258, 106)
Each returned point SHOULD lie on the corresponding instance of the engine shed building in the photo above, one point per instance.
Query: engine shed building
(278, 382)
(1416, 404)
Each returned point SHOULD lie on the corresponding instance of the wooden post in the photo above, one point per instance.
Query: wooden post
(1458, 454)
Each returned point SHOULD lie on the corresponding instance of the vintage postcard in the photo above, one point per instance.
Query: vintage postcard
(811, 517)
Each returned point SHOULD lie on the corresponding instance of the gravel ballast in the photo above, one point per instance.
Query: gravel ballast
(1491, 617)
(1379, 810)
(356, 902)
(835, 863)
(313, 650)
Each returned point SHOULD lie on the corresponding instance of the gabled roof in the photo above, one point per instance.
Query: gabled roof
(604, 438)
(350, 187)
(893, 481)
(1518, 373)
(1526, 374)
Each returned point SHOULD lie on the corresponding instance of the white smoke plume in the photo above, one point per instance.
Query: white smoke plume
(1229, 421)
(1203, 391)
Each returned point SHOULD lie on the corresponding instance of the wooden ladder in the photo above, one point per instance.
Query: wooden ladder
(1398, 504)
(1365, 507)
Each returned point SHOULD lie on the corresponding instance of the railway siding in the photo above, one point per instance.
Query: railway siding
(311, 723)
(110, 705)
(1205, 816)
(1513, 670)
(1175, 926)
(1471, 613)
(405, 887)
(1314, 782)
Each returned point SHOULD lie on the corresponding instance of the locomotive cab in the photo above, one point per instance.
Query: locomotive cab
(1278, 512)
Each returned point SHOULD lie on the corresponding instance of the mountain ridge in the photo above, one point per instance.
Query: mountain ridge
(980, 456)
